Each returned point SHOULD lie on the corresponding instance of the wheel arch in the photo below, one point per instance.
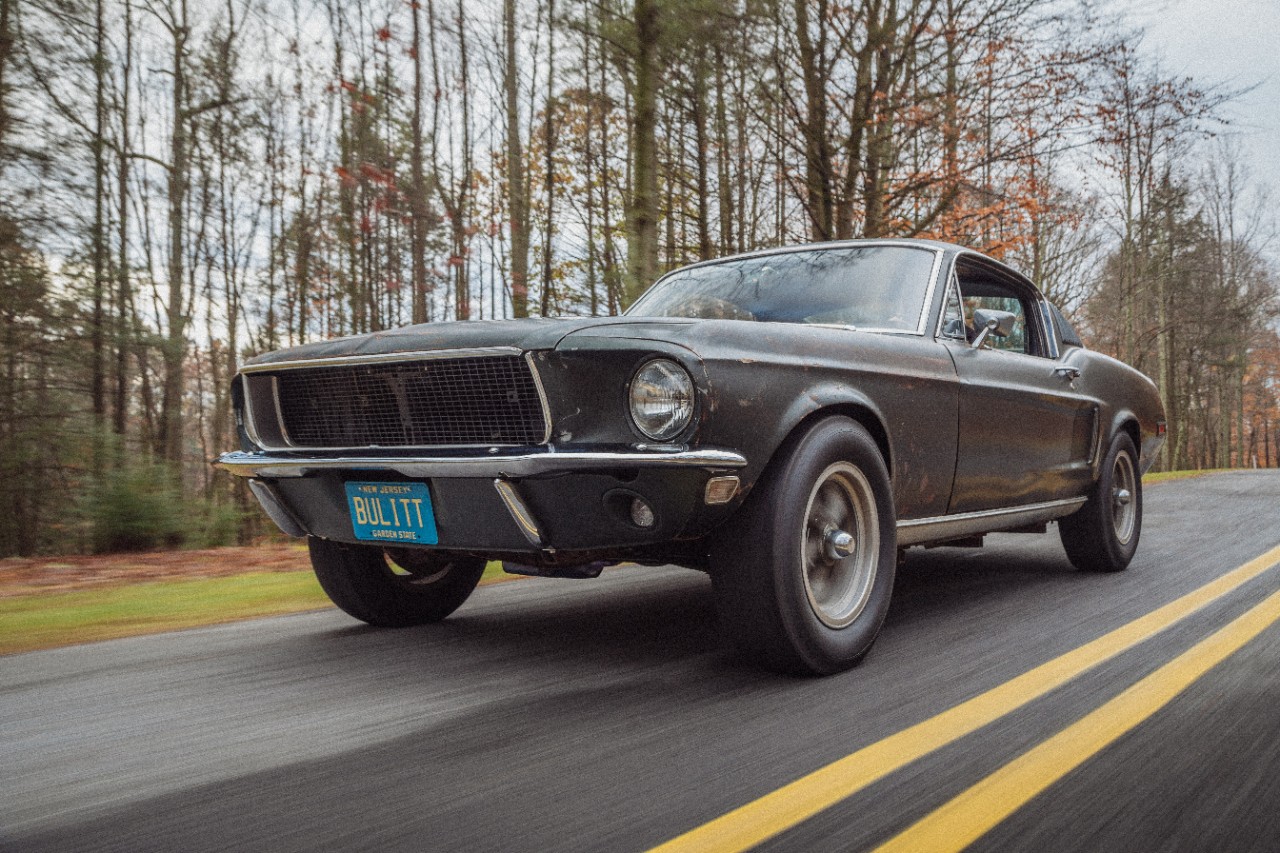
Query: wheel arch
(1130, 425)
(1126, 422)
(825, 402)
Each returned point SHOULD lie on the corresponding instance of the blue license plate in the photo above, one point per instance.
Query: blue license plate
(392, 512)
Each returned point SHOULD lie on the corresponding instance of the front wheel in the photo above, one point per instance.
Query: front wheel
(804, 572)
(1102, 535)
(393, 587)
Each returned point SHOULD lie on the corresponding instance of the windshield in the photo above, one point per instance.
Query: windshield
(869, 287)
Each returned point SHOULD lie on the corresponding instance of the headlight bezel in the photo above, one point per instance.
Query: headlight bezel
(657, 425)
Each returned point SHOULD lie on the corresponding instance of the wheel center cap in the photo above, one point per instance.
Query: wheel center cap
(839, 544)
(1123, 497)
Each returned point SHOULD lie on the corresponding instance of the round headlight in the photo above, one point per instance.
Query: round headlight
(661, 399)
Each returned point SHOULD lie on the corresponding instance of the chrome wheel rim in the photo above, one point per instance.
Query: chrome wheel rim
(1124, 498)
(841, 545)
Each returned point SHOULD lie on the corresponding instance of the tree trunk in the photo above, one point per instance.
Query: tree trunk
(98, 322)
(418, 224)
(227, 239)
(642, 245)
(817, 150)
(517, 194)
(7, 8)
(125, 338)
(462, 282)
(615, 297)
(175, 345)
(702, 155)
(549, 166)
(724, 148)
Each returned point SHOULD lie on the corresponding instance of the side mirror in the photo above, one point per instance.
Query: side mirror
(992, 322)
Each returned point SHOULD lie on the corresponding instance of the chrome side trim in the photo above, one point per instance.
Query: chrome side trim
(250, 420)
(922, 326)
(1046, 323)
(542, 396)
(267, 415)
(939, 328)
(275, 397)
(380, 358)
(519, 511)
(918, 531)
(244, 464)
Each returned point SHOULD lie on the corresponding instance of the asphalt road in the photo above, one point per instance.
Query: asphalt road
(606, 715)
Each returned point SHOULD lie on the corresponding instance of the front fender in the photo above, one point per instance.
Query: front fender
(832, 398)
(911, 415)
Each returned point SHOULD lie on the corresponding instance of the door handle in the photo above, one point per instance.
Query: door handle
(1069, 373)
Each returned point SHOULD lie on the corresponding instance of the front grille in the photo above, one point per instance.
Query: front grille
(432, 402)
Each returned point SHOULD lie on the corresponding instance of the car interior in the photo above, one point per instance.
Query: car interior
(973, 287)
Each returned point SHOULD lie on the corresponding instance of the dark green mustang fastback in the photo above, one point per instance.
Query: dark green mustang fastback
(786, 420)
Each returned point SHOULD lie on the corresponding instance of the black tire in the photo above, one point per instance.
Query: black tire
(788, 598)
(1102, 535)
(413, 587)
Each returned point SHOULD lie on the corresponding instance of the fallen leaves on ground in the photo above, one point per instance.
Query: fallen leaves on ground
(22, 576)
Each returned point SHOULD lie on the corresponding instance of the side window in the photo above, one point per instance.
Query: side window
(1015, 341)
(986, 288)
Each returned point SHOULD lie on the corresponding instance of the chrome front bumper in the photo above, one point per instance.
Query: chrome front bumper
(499, 503)
(268, 465)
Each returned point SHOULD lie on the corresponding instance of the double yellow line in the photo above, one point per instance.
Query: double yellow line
(972, 813)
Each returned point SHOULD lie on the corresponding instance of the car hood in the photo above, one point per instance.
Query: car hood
(531, 334)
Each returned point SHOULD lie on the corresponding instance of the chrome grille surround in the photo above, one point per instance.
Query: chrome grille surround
(449, 398)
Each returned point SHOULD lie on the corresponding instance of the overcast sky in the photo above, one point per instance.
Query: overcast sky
(1235, 43)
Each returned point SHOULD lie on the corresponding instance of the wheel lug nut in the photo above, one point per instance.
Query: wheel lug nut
(839, 544)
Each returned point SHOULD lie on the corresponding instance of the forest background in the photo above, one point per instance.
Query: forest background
(184, 185)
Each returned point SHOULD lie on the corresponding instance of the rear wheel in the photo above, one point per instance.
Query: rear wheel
(1102, 535)
(393, 587)
(803, 573)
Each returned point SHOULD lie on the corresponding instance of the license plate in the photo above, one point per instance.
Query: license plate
(392, 512)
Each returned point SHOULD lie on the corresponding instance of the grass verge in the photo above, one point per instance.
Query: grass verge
(48, 620)
(1166, 476)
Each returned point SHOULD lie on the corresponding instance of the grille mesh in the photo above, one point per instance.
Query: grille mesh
(484, 400)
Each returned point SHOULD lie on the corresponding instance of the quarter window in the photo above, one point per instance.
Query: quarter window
(953, 316)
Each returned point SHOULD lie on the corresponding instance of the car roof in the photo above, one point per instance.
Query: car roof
(951, 249)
